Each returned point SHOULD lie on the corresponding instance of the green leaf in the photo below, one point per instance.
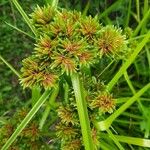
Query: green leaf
(26, 120)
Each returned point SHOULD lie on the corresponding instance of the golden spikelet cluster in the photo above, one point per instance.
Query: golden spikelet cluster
(68, 128)
(66, 133)
(104, 102)
(43, 15)
(32, 75)
(72, 145)
(67, 115)
(112, 42)
(67, 41)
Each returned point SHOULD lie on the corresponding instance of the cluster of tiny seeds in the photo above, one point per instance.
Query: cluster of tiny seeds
(29, 137)
(68, 128)
(104, 102)
(67, 41)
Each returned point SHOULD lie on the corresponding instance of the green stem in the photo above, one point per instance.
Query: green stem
(128, 62)
(54, 3)
(109, 9)
(26, 120)
(133, 90)
(66, 92)
(138, 10)
(129, 140)
(21, 31)
(25, 17)
(10, 66)
(134, 140)
(115, 139)
(83, 112)
(36, 94)
(141, 23)
(128, 14)
(104, 125)
(48, 107)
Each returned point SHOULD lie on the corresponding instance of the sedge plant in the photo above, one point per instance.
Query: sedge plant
(65, 64)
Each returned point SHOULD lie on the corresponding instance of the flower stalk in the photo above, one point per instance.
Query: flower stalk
(82, 111)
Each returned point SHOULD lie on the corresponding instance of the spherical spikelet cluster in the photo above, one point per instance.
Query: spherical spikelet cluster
(72, 145)
(33, 75)
(42, 16)
(104, 102)
(68, 128)
(67, 115)
(66, 133)
(66, 41)
(112, 42)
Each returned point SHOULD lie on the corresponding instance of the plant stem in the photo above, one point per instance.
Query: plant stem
(141, 23)
(36, 94)
(109, 9)
(26, 120)
(21, 31)
(10, 66)
(25, 17)
(48, 107)
(134, 140)
(104, 125)
(128, 14)
(55, 3)
(115, 139)
(66, 91)
(129, 140)
(83, 112)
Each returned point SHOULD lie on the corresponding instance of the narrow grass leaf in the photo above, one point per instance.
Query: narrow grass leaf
(21, 31)
(116, 141)
(104, 125)
(25, 17)
(26, 120)
(128, 14)
(147, 15)
(109, 9)
(48, 107)
(10, 66)
(128, 62)
(133, 140)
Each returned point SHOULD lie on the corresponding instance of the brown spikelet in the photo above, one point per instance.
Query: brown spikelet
(67, 64)
(104, 102)
(74, 144)
(66, 132)
(49, 80)
(89, 26)
(43, 15)
(111, 41)
(67, 115)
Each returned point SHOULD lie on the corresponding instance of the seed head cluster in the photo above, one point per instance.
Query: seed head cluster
(66, 42)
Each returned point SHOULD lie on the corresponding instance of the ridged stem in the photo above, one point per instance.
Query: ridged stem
(82, 112)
